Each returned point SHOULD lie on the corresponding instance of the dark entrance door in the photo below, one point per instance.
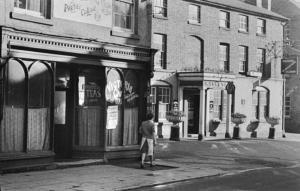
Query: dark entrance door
(192, 98)
(62, 101)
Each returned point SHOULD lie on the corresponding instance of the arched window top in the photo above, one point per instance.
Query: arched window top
(160, 83)
(114, 86)
(261, 89)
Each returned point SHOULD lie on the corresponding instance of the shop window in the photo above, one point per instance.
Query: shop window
(113, 93)
(123, 12)
(160, 58)
(243, 56)
(37, 8)
(122, 97)
(288, 107)
(218, 104)
(39, 107)
(12, 131)
(224, 19)
(244, 23)
(260, 103)
(224, 57)
(90, 106)
(131, 108)
(194, 14)
(160, 8)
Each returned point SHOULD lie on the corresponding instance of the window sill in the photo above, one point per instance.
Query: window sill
(224, 28)
(194, 22)
(30, 18)
(261, 35)
(160, 17)
(124, 34)
(243, 32)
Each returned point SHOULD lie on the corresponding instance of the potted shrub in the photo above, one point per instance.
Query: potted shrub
(175, 117)
(214, 123)
(252, 127)
(272, 121)
(237, 119)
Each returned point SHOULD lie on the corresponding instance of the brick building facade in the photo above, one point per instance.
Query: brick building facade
(204, 45)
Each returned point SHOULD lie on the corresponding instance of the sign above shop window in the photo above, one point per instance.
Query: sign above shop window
(98, 12)
(214, 84)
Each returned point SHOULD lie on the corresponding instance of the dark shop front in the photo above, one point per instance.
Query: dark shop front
(61, 102)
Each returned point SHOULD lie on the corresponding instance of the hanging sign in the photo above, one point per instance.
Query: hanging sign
(289, 65)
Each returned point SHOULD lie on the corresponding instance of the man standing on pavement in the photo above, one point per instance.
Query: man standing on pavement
(148, 139)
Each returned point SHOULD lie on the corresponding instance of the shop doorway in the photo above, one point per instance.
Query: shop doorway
(192, 98)
(62, 101)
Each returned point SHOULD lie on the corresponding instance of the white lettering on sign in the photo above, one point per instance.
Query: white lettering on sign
(113, 91)
(98, 12)
(214, 84)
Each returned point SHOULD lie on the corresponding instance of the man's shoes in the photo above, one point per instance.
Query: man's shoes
(142, 165)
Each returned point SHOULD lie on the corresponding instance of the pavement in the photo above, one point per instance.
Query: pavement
(175, 161)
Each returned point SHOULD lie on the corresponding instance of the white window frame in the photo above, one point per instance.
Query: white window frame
(261, 26)
(243, 57)
(132, 16)
(224, 57)
(243, 23)
(194, 13)
(224, 19)
(261, 59)
(160, 8)
(160, 59)
(26, 11)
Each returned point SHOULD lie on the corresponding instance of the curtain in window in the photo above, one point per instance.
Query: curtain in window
(12, 124)
(89, 107)
(113, 94)
(131, 97)
(39, 107)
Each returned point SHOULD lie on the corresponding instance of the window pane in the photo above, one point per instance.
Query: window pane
(131, 97)
(194, 13)
(12, 131)
(160, 8)
(113, 94)
(159, 41)
(123, 14)
(90, 106)
(39, 107)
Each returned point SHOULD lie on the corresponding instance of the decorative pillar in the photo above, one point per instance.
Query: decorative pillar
(230, 87)
(201, 114)
(182, 107)
(228, 117)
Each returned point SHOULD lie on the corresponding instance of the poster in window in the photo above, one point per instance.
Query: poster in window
(112, 117)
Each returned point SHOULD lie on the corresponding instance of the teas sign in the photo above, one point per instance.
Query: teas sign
(98, 12)
(89, 93)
